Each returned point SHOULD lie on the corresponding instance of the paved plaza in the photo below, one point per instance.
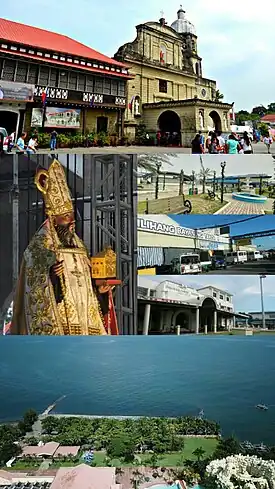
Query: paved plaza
(235, 207)
(258, 148)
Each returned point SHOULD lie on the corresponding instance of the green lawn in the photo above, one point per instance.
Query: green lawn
(201, 204)
(167, 460)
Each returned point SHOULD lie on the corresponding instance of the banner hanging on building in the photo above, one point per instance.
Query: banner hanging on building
(16, 91)
(56, 117)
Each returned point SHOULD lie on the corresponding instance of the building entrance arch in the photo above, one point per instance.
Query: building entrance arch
(215, 121)
(9, 119)
(208, 314)
(169, 125)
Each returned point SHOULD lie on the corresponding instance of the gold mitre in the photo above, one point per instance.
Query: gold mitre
(104, 264)
(53, 185)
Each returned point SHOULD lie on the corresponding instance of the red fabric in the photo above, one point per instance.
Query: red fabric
(110, 318)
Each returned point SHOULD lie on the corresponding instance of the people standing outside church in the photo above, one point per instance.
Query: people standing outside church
(20, 144)
(268, 141)
(232, 145)
(53, 140)
(246, 144)
(221, 142)
(213, 147)
(202, 140)
(197, 147)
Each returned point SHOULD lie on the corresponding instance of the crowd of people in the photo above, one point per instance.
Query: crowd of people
(215, 143)
(29, 145)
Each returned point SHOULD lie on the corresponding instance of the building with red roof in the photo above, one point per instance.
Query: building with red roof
(268, 119)
(42, 71)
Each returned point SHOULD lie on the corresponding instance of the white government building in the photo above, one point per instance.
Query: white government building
(168, 307)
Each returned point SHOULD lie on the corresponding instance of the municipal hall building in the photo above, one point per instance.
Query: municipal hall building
(155, 81)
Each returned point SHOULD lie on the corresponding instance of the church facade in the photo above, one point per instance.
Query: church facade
(168, 92)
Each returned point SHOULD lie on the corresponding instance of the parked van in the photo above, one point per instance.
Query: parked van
(236, 257)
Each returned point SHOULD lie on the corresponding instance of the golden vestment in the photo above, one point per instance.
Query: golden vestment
(36, 310)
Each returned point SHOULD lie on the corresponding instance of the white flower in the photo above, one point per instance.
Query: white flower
(251, 472)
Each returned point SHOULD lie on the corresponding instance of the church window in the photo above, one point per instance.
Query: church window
(162, 54)
(9, 70)
(163, 86)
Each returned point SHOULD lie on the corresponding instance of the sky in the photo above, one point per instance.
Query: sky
(241, 226)
(245, 288)
(235, 39)
(235, 164)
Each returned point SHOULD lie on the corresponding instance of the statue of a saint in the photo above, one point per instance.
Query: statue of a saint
(137, 106)
(57, 293)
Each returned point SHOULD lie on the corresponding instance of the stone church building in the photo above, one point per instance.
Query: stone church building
(168, 91)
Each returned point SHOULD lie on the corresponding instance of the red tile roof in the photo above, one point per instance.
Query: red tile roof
(268, 118)
(40, 38)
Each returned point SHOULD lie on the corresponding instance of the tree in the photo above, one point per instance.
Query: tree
(271, 107)
(150, 162)
(263, 128)
(199, 453)
(29, 418)
(218, 96)
(226, 447)
(204, 173)
(121, 446)
(260, 110)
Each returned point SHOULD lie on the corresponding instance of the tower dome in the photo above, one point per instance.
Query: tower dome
(182, 25)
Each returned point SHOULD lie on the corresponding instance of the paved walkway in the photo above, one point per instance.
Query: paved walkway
(259, 148)
(235, 207)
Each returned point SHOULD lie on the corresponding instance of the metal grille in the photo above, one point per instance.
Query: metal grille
(103, 189)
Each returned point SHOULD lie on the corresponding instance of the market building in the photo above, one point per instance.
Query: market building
(169, 92)
(158, 234)
(168, 307)
(51, 81)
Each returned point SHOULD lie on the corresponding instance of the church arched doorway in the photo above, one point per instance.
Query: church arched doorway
(207, 311)
(8, 120)
(170, 127)
(215, 121)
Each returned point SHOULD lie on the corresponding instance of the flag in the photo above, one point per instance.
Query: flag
(131, 102)
(6, 329)
(232, 114)
(44, 96)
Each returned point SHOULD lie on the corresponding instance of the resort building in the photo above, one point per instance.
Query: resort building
(168, 307)
(48, 81)
(169, 92)
(49, 450)
(82, 476)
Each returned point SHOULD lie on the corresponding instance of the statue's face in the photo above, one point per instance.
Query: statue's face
(65, 228)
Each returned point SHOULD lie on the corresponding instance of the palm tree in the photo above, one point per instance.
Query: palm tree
(199, 453)
(203, 175)
(152, 162)
(218, 96)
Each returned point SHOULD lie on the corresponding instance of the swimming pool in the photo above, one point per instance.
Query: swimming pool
(251, 198)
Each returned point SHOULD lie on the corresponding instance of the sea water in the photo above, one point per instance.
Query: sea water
(225, 376)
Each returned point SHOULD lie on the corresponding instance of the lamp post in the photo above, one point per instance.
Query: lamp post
(158, 165)
(214, 182)
(223, 165)
(262, 299)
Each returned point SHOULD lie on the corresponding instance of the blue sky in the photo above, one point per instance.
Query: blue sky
(235, 40)
(261, 223)
(245, 288)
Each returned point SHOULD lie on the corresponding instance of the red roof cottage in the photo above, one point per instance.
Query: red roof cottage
(43, 72)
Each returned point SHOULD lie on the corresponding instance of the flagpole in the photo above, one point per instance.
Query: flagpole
(262, 299)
